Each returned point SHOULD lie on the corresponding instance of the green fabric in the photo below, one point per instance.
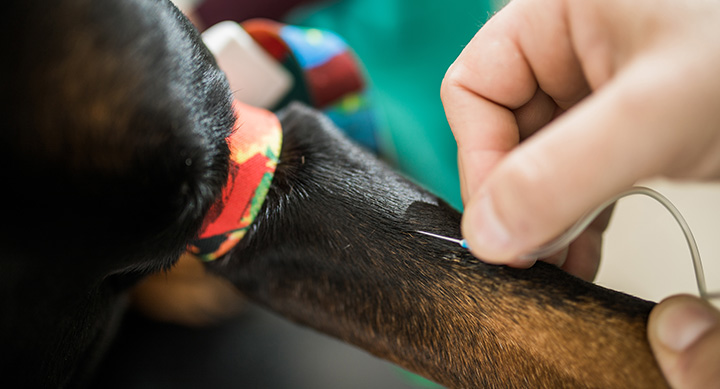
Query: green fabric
(406, 47)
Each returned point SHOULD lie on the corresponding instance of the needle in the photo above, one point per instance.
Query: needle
(566, 238)
(462, 243)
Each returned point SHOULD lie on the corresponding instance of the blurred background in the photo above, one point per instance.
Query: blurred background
(645, 253)
(405, 47)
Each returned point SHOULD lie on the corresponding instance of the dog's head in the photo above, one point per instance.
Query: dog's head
(114, 124)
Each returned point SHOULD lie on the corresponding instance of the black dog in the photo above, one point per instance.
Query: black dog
(114, 126)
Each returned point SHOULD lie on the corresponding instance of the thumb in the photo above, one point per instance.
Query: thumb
(598, 148)
(684, 333)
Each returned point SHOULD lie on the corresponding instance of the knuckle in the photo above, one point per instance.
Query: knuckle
(449, 83)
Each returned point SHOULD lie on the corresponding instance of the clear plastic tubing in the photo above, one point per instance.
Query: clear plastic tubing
(570, 234)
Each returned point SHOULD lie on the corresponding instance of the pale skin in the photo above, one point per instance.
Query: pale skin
(557, 105)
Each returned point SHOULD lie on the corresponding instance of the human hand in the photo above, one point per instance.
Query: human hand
(557, 105)
(684, 333)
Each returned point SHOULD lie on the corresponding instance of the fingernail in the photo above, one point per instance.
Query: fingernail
(488, 231)
(682, 324)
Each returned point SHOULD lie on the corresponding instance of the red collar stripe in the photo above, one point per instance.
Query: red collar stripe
(254, 150)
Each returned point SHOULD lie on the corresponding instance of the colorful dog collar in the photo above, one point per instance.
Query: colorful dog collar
(254, 150)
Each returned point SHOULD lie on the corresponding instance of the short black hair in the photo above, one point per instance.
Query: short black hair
(114, 127)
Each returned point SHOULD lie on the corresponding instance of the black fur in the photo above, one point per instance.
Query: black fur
(113, 127)
(114, 120)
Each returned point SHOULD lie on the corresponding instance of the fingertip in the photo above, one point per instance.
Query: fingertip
(488, 239)
(485, 233)
(684, 332)
(583, 255)
(677, 322)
